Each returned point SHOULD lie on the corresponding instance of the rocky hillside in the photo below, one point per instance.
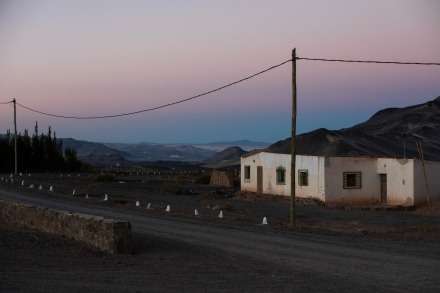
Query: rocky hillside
(159, 152)
(87, 148)
(245, 145)
(384, 134)
(135, 154)
(228, 157)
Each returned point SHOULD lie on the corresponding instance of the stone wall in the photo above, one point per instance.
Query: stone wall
(221, 178)
(106, 234)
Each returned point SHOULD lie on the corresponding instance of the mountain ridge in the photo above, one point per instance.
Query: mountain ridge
(140, 153)
(226, 158)
(391, 132)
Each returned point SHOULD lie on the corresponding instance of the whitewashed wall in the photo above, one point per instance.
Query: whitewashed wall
(334, 181)
(433, 175)
(405, 179)
(315, 167)
(400, 180)
(271, 161)
(252, 161)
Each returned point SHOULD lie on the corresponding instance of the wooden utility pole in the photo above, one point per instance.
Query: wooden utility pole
(15, 133)
(293, 143)
(420, 150)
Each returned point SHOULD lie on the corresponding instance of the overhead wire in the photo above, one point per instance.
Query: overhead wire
(158, 107)
(367, 61)
(222, 87)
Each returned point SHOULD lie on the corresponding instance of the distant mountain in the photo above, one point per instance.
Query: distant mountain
(243, 144)
(95, 153)
(152, 153)
(87, 148)
(158, 152)
(104, 160)
(384, 135)
(228, 157)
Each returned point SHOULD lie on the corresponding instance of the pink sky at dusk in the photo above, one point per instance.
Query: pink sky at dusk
(95, 58)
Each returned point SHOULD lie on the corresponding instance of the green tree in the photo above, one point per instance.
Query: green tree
(73, 164)
(37, 151)
(24, 151)
(6, 153)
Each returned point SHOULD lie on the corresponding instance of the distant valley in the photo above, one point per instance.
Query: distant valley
(127, 154)
(391, 132)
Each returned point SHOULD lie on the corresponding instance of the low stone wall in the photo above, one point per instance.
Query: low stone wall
(221, 178)
(106, 234)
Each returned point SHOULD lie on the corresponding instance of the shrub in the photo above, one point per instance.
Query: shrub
(203, 179)
(172, 187)
(105, 178)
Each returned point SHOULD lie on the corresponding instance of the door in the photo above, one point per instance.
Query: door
(259, 179)
(383, 187)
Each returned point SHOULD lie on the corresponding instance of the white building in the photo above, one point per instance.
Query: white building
(343, 180)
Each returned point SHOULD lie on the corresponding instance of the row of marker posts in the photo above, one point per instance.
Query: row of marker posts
(196, 213)
(31, 186)
(168, 208)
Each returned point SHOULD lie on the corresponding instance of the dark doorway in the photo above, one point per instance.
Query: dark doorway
(259, 179)
(383, 187)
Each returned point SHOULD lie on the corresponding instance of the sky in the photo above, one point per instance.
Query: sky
(98, 58)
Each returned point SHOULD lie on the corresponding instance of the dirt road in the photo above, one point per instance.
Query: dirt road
(177, 252)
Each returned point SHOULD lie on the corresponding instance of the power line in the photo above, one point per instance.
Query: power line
(1, 103)
(223, 87)
(162, 106)
(368, 61)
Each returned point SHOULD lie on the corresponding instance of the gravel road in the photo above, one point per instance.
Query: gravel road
(331, 250)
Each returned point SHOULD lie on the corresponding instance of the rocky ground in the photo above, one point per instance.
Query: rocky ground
(170, 266)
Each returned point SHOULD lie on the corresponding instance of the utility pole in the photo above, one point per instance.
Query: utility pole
(420, 150)
(293, 143)
(15, 133)
(403, 140)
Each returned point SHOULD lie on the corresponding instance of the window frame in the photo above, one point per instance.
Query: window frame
(352, 180)
(247, 173)
(281, 175)
(301, 178)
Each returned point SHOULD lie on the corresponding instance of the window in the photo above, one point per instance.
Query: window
(281, 175)
(303, 178)
(247, 173)
(352, 180)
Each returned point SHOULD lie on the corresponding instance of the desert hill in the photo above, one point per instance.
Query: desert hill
(159, 152)
(226, 158)
(86, 148)
(216, 154)
(384, 134)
